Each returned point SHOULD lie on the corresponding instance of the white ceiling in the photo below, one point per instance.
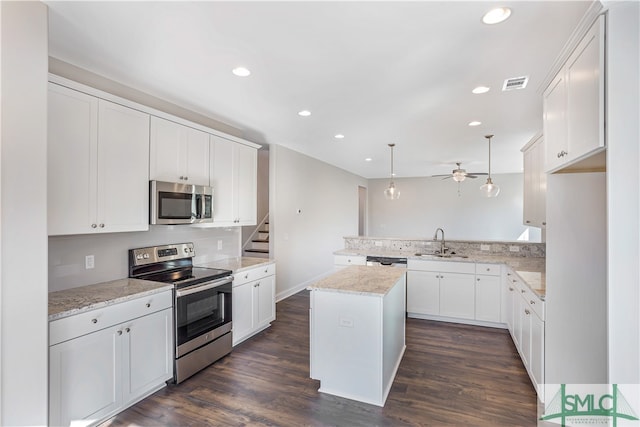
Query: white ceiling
(377, 72)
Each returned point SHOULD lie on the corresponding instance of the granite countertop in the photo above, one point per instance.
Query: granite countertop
(85, 298)
(361, 280)
(531, 270)
(238, 264)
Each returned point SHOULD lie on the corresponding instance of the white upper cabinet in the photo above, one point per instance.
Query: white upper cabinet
(234, 182)
(98, 157)
(535, 183)
(574, 106)
(178, 153)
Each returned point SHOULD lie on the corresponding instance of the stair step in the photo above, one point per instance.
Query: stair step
(259, 251)
(261, 240)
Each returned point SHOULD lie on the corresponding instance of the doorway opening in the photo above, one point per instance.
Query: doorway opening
(362, 211)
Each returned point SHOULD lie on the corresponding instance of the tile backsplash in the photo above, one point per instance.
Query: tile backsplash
(466, 247)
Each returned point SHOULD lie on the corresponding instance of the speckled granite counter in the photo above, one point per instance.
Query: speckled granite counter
(78, 300)
(373, 280)
(238, 264)
(531, 270)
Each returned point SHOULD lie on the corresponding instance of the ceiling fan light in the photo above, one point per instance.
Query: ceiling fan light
(490, 189)
(459, 176)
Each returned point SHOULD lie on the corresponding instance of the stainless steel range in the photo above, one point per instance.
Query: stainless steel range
(202, 304)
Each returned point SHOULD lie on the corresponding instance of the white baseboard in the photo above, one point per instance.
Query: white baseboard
(292, 291)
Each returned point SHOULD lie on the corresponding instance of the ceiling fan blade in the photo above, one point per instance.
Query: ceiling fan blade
(447, 177)
(471, 176)
(444, 174)
(476, 174)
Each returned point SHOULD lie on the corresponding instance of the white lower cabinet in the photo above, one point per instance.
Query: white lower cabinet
(458, 291)
(457, 296)
(527, 329)
(423, 292)
(488, 297)
(254, 301)
(98, 368)
(341, 261)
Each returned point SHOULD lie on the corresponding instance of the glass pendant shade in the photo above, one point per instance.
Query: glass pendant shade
(391, 193)
(490, 189)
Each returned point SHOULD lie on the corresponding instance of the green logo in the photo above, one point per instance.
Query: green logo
(590, 406)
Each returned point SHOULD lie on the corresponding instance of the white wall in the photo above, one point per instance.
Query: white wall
(110, 251)
(23, 214)
(328, 198)
(623, 187)
(428, 203)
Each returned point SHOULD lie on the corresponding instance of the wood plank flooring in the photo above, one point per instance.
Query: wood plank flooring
(451, 375)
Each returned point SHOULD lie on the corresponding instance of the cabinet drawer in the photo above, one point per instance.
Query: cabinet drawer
(255, 273)
(349, 260)
(488, 269)
(533, 302)
(94, 320)
(442, 266)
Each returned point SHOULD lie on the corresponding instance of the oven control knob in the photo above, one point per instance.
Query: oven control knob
(139, 256)
(146, 256)
(186, 250)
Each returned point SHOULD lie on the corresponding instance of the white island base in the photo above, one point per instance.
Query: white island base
(357, 332)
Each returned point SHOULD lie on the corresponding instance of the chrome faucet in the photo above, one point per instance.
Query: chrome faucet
(435, 237)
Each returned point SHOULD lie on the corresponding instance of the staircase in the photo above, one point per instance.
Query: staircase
(258, 245)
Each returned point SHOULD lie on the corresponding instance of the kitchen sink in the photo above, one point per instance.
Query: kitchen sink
(451, 255)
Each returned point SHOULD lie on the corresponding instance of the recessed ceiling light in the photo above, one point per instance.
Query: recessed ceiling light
(480, 89)
(339, 136)
(304, 113)
(241, 72)
(497, 15)
(368, 159)
(475, 123)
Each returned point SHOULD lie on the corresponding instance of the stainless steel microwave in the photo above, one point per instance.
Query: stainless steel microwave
(174, 203)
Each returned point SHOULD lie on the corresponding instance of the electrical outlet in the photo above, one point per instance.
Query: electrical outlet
(219, 245)
(377, 243)
(485, 247)
(89, 262)
(514, 248)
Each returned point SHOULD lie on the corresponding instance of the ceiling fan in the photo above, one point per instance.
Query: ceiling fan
(460, 174)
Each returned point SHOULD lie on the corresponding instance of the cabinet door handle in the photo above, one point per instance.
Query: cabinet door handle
(488, 269)
(510, 288)
(544, 223)
(101, 225)
(94, 320)
(119, 332)
(523, 291)
(256, 285)
(246, 276)
(148, 304)
(528, 222)
(186, 178)
(94, 225)
(266, 270)
(532, 302)
(127, 330)
(527, 312)
(478, 279)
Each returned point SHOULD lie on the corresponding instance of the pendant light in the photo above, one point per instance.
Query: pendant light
(489, 188)
(391, 192)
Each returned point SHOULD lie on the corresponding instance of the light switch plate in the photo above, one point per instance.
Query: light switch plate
(514, 248)
(219, 245)
(378, 243)
(485, 247)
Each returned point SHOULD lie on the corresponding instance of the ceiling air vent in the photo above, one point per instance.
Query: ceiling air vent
(515, 83)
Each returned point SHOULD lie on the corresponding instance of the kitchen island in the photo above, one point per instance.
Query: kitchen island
(357, 331)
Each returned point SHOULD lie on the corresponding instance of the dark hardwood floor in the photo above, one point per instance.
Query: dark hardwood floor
(451, 375)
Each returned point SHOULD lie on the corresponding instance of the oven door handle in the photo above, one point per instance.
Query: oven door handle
(199, 288)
